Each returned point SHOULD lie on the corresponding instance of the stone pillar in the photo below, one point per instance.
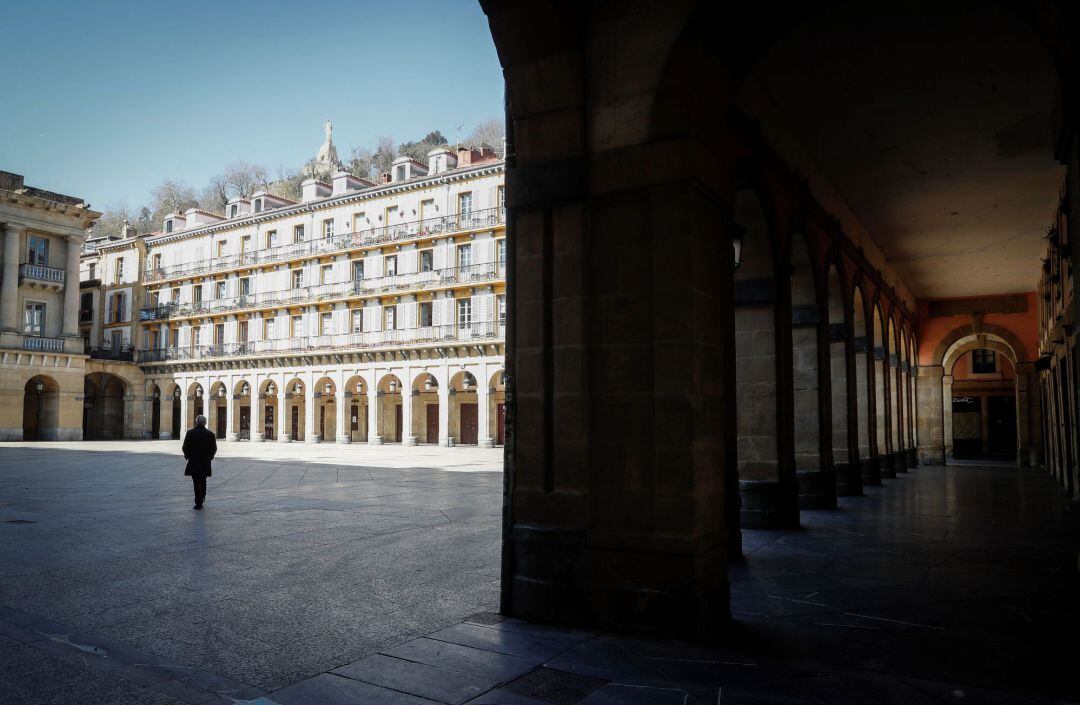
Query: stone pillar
(1028, 416)
(929, 390)
(483, 399)
(233, 432)
(342, 424)
(71, 294)
(408, 396)
(185, 406)
(444, 411)
(373, 415)
(166, 401)
(9, 288)
(309, 413)
(946, 411)
(283, 414)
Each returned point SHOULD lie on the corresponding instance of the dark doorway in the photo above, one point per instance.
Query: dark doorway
(397, 423)
(322, 422)
(268, 422)
(967, 427)
(500, 424)
(468, 424)
(245, 423)
(176, 418)
(155, 419)
(1001, 414)
(222, 421)
(295, 423)
(354, 420)
(431, 435)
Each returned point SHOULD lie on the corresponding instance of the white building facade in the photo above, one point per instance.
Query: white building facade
(364, 313)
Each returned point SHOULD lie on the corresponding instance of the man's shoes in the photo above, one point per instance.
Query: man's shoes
(198, 506)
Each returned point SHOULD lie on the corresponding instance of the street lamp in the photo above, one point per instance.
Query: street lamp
(327, 389)
(198, 392)
(297, 390)
(738, 232)
(221, 392)
(467, 382)
(428, 384)
(270, 389)
(393, 386)
(245, 390)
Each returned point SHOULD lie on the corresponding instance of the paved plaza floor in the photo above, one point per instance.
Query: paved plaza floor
(326, 575)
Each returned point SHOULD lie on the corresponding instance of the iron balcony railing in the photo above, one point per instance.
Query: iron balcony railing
(474, 220)
(34, 342)
(40, 272)
(468, 274)
(475, 332)
(124, 353)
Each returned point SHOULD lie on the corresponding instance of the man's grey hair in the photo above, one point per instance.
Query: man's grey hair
(200, 420)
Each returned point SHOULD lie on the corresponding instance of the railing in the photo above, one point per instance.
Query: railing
(480, 331)
(124, 353)
(41, 273)
(34, 342)
(336, 243)
(86, 315)
(469, 274)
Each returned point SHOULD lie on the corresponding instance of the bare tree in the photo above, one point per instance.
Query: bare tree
(112, 220)
(287, 183)
(216, 195)
(490, 132)
(243, 179)
(370, 162)
(171, 197)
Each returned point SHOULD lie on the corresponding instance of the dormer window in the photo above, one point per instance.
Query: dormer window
(258, 205)
(233, 209)
(169, 225)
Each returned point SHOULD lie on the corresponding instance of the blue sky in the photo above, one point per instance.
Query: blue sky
(103, 100)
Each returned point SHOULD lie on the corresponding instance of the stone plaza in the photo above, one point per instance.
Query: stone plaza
(341, 574)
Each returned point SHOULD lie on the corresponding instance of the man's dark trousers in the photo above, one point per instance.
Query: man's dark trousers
(200, 447)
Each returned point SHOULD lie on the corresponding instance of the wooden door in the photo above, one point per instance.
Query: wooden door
(500, 424)
(322, 422)
(432, 433)
(222, 421)
(468, 424)
(245, 423)
(176, 419)
(1001, 413)
(295, 423)
(397, 423)
(268, 422)
(155, 420)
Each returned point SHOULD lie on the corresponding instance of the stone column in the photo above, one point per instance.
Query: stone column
(283, 414)
(483, 399)
(234, 413)
(444, 410)
(342, 424)
(1028, 411)
(71, 293)
(373, 415)
(309, 413)
(9, 289)
(929, 390)
(185, 405)
(408, 434)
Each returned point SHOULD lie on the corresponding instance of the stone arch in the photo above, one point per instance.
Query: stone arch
(267, 419)
(41, 409)
(389, 425)
(107, 401)
(842, 382)
(217, 409)
(894, 392)
(294, 411)
(426, 410)
(196, 398)
(1020, 352)
(153, 394)
(497, 407)
(171, 410)
(325, 408)
(464, 410)
(242, 412)
(356, 404)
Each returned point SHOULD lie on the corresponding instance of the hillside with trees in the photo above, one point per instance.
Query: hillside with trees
(242, 179)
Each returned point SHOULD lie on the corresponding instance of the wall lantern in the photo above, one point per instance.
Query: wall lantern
(738, 232)
(270, 389)
(221, 392)
(176, 393)
(297, 389)
(467, 382)
(40, 386)
(328, 389)
(502, 379)
(157, 394)
(198, 391)
(428, 384)
(393, 386)
(245, 390)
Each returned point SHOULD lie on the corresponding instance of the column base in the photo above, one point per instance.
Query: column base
(900, 461)
(486, 443)
(165, 436)
(284, 439)
(871, 471)
(408, 441)
(342, 440)
(931, 456)
(257, 437)
(912, 459)
(232, 436)
(768, 505)
(849, 481)
(375, 441)
(67, 434)
(312, 438)
(887, 463)
(817, 488)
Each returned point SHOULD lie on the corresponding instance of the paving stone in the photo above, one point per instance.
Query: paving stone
(329, 689)
(437, 684)
(463, 659)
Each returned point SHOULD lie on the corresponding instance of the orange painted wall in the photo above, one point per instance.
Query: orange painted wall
(1024, 326)
(962, 369)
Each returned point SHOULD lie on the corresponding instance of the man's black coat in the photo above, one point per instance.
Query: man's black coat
(200, 447)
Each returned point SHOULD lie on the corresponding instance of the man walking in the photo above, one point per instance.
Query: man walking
(200, 447)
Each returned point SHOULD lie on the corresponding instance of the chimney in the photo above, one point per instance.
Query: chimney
(464, 156)
(441, 159)
(345, 182)
(127, 230)
(313, 190)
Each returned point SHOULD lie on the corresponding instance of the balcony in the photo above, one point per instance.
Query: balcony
(428, 227)
(486, 272)
(454, 333)
(38, 275)
(124, 353)
(41, 344)
(86, 315)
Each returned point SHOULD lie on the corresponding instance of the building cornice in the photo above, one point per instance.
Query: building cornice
(379, 190)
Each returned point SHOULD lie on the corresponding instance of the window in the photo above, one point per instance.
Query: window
(221, 248)
(86, 303)
(155, 340)
(500, 251)
(464, 255)
(268, 328)
(93, 267)
(245, 286)
(357, 222)
(390, 265)
(326, 274)
(219, 334)
(34, 318)
(154, 298)
(245, 244)
(427, 260)
(271, 238)
(464, 201)
(258, 205)
(500, 308)
(196, 293)
(221, 290)
(357, 269)
(116, 310)
(501, 196)
(399, 172)
(297, 326)
(328, 227)
(427, 208)
(242, 332)
(425, 313)
(119, 270)
(390, 317)
(233, 210)
(175, 298)
(298, 233)
(390, 213)
(196, 337)
(298, 279)
(983, 362)
(357, 321)
(169, 226)
(326, 323)
(464, 312)
(156, 261)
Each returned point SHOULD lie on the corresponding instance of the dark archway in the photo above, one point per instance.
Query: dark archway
(105, 400)
(41, 409)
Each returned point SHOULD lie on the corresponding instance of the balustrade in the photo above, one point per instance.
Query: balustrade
(40, 272)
